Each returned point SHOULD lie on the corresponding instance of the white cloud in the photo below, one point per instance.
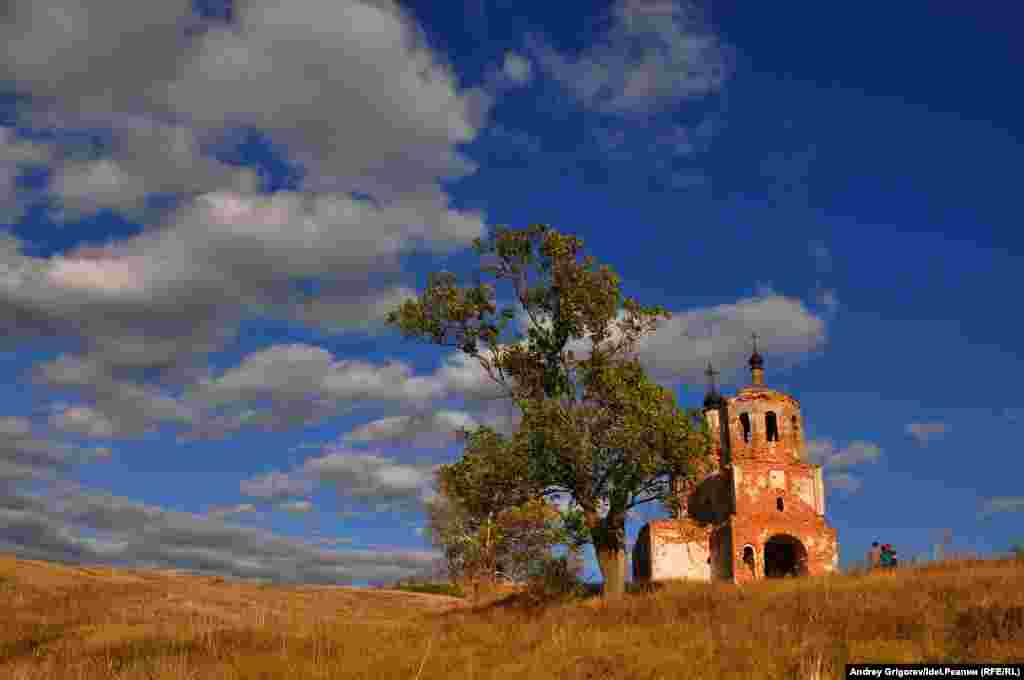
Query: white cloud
(349, 86)
(227, 511)
(275, 485)
(1001, 504)
(836, 461)
(828, 299)
(348, 90)
(16, 156)
(305, 373)
(825, 453)
(517, 68)
(654, 56)
(85, 421)
(681, 348)
(348, 311)
(26, 455)
(439, 427)
(369, 478)
(15, 427)
(296, 507)
(147, 157)
(925, 433)
(48, 528)
(332, 542)
(843, 481)
(118, 408)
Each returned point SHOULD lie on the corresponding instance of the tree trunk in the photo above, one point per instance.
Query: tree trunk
(609, 536)
(612, 561)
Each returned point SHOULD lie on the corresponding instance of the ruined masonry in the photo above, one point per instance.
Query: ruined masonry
(759, 513)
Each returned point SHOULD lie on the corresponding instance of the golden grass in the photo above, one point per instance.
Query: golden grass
(72, 623)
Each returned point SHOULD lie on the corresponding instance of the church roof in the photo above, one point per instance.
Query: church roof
(762, 393)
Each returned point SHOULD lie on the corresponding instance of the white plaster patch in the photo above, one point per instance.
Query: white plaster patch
(803, 488)
(680, 561)
(820, 489)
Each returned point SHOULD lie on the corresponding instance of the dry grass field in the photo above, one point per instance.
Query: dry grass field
(83, 623)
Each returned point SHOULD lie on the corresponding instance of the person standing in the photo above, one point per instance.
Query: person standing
(874, 555)
(886, 560)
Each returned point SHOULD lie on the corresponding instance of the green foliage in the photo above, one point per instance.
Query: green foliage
(1018, 550)
(554, 579)
(594, 425)
(485, 520)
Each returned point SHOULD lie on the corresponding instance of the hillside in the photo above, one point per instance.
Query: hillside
(97, 622)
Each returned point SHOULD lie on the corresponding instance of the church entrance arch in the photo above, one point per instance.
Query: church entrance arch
(784, 555)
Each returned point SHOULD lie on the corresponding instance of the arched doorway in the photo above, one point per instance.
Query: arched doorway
(784, 555)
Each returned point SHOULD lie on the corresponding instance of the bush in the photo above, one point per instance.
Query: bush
(554, 579)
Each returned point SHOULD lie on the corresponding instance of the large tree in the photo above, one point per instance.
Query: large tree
(594, 426)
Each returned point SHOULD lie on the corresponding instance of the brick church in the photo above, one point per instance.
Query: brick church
(759, 513)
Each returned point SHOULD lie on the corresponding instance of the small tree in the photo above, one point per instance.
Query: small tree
(484, 520)
(594, 426)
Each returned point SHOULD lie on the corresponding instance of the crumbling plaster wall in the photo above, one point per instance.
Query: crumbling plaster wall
(757, 486)
(674, 549)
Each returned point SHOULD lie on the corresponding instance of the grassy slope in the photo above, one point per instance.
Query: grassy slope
(84, 623)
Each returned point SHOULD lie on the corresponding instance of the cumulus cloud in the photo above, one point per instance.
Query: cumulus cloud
(436, 427)
(17, 155)
(1001, 504)
(843, 481)
(174, 293)
(828, 299)
(824, 452)
(926, 433)
(27, 454)
(148, 158)
(129, 532)
(681, 348)
(347, 311)
(358, 478)
(836, 461)
(119, 408)
(85, 421)
(653, 56)
(366, 478)
(294, 73)
(308, 382)
(231, 510)
(517, 68)
(296, 507)
(275, 486)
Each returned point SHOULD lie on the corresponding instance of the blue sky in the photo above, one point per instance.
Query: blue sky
(207, 209)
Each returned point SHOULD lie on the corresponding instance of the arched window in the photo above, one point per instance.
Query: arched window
(745, 422)
(796, 425)
(779, 504)
(771, 426)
